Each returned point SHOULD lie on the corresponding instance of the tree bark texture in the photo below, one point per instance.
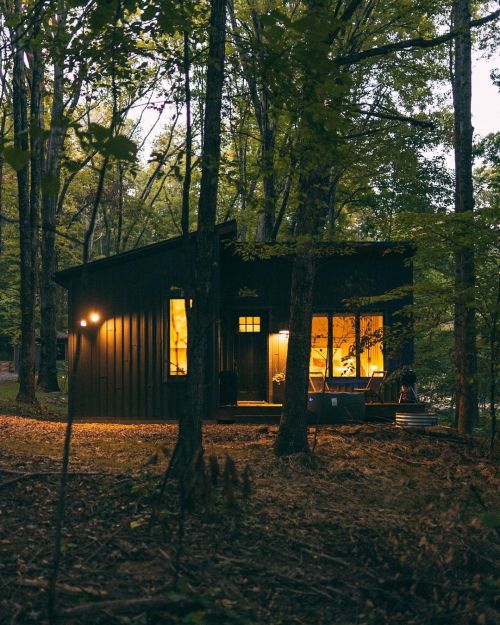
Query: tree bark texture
(464, 322)
(292, 433)
(47, 375)
(27, 220)
(202, 314)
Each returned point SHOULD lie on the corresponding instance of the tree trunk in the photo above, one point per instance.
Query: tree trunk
(2, 133)
(292, 434)
(27, 221)
(47, 375)
(494, 366)
(464, 325)
(267, 217)
(202, 314)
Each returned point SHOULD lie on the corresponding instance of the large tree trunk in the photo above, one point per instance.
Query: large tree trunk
(27, 221)
(47, 375)
(465, 326)
(203, 311)
(292, 434)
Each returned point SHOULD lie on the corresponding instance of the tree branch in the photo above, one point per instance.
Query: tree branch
(407, 44)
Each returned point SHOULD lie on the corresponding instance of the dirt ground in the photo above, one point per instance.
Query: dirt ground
(384, 526)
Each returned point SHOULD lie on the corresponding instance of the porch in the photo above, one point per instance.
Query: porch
(256, 412)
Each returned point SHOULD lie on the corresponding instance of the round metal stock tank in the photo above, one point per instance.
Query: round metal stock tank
(416, 420)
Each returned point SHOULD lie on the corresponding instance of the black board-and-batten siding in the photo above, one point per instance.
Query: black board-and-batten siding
(123, 368)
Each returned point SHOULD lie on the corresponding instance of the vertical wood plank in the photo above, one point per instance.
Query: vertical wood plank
(118, 385)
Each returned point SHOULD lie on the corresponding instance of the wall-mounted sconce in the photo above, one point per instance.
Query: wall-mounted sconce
(93, 318)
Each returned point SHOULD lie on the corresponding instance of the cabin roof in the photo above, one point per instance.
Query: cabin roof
(227, 230)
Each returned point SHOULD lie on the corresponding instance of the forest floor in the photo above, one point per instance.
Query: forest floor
(380, 526)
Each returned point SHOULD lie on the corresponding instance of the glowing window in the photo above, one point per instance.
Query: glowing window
(249, 324)
(344, 346)
(370, 344)
(347, 345)
(178, 337)
(319, 345)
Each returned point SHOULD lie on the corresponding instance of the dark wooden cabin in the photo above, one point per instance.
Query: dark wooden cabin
(130, 309)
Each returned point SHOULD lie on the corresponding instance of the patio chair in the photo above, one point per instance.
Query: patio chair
(374, 389)
(316, 382)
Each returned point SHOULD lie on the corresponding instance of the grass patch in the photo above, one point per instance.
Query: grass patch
(51, 405)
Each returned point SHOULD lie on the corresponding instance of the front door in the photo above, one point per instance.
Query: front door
(250, 355)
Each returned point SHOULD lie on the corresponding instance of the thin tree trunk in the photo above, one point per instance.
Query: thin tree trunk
(2, 132)
(203, 308)
(186, 184)
(464, 324)
(118, 241)
(47, 375)
(27, 238)
(494, 370)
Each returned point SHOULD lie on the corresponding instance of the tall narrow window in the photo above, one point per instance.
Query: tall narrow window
(344, 346)
(178, 337)
(371, 357)
(319, 345)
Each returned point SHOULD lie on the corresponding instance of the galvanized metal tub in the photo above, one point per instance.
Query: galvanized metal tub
(416, 420)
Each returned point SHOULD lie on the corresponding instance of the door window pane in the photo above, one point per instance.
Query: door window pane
(249, 324)
(371, 358)
(178, 335)
(319, 345)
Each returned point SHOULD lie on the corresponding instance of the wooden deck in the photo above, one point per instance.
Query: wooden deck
(266, 413)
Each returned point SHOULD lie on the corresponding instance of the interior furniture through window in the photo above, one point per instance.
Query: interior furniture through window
(346, 345)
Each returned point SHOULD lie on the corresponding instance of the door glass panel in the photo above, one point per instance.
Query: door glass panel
(371, 358)
(249, 324)
(319, 345)
(344, 346)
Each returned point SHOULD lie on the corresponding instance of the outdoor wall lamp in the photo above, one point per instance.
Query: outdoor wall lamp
(93, 317)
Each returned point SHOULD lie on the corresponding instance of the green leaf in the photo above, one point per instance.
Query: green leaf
(16, 158)
(122, 148)
(98, 131)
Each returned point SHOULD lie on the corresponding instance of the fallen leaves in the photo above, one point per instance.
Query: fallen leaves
(383, 527)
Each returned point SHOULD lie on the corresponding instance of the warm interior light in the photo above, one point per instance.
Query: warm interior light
(83, 323)
(94, 317)
(284, 333)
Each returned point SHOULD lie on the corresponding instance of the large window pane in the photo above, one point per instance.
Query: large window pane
(344, 346)
(319, 345)
(372, 358)
(178, 334)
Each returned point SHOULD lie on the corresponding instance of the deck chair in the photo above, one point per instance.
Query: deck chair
(316, 382)
(374, 389)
